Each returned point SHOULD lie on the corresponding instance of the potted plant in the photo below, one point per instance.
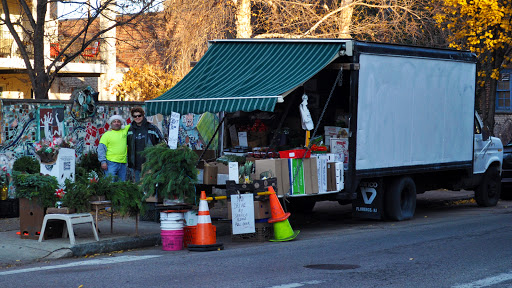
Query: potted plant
(170, 173)
(36, 186)
(36, 192)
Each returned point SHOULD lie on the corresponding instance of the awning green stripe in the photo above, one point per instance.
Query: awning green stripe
(244, 76)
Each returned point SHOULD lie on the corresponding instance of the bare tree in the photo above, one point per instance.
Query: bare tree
(192, 22)
(34, 28)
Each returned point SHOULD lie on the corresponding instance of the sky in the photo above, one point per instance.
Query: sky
(78, 9)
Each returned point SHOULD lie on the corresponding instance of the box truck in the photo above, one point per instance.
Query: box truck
(412, 125)
(412, 128)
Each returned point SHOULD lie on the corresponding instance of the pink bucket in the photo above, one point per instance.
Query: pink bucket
(172, 240)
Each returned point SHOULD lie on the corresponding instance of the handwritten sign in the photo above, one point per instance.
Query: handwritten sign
(242, 208)
(174, 125)
(242, 139)
(233, 171)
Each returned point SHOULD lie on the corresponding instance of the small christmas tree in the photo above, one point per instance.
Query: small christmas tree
(170, 173)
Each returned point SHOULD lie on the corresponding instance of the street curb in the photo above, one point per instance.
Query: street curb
(124, 243)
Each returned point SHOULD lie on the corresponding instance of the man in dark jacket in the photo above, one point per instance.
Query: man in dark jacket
(141, 134)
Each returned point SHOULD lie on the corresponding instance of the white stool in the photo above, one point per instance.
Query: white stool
(70, 220)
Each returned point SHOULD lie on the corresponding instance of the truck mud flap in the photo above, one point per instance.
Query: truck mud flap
(369, 201)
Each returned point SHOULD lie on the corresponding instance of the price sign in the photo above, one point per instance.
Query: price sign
(174, 125)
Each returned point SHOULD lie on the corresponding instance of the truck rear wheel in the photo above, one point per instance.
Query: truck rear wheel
(400, 199)
(488, 192)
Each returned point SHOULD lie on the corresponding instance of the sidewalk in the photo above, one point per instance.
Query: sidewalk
(14, 250)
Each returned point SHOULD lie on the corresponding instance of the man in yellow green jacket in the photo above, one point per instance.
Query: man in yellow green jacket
(112, 150)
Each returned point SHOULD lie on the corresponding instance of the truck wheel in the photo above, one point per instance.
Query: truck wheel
(488, 192)
(400, 199)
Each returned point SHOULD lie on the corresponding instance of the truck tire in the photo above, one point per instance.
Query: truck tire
(400, 199)
(488, 192)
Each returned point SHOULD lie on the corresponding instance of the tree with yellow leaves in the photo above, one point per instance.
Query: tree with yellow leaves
(144, 83)
(485, 28)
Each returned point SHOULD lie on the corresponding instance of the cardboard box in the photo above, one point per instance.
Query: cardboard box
(210, 174)
(261, 210)
(340, 185)
(200, 175)
(321, 161)
(222, 178)
(335, 181)
(334, 132)
(311, 176)
(339, 146)
(221, 167)
(296, 176)
(331, 176)
(64, 168)
(333, 157)
(274, 168)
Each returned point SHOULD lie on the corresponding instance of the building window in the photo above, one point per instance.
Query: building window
(503, 91)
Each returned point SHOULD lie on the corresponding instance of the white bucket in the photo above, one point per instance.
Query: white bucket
(171, 216)
(171, 225)
(171, 221)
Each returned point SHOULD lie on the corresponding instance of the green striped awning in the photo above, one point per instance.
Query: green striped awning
(237, 75)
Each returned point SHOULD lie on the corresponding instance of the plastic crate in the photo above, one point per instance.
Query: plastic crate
(150, 213)
(264, 231)
(188, 235)
(295, 153)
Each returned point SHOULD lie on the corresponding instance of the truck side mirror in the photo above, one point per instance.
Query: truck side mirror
(485, 133)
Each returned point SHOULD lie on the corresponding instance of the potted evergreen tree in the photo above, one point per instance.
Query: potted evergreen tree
(36, 192)
(170, 173)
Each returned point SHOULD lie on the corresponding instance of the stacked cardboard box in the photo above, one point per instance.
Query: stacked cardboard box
(302, 173)
(321, 164)
(335, 180)
(277, 168)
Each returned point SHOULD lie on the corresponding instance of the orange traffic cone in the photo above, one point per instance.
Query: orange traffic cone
(205, 238)
(282, 229)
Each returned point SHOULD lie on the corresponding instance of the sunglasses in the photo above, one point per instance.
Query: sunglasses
(137, 116)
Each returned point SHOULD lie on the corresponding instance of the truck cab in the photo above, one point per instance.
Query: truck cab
(487, 160)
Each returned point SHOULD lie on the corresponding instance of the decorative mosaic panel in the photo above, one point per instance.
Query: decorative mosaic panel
(22, 124)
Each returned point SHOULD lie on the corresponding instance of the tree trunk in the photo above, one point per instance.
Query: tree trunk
(346, 19)
(497, 61)
(243, 19)
(40, 77)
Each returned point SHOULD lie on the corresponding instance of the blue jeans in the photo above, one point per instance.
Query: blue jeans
(135, 175)
(116, 170)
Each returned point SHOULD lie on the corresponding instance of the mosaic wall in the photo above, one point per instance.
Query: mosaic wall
(25, 122)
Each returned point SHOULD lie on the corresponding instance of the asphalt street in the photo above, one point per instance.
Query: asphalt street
(447, 244)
